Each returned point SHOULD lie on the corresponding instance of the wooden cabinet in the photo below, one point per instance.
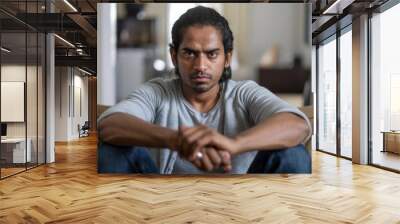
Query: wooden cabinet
(282, 80)
(391, 141)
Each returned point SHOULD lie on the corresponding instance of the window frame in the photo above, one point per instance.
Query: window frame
(347, 27)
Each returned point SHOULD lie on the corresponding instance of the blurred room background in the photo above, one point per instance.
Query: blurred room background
(272, 46)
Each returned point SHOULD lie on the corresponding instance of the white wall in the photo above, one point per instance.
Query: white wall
(61, 103)
(13, 72)
(68, 82)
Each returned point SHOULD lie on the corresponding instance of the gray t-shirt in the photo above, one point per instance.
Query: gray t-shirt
(242, 105)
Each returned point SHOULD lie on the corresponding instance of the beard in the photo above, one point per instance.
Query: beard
(198, 87)
(201, 87)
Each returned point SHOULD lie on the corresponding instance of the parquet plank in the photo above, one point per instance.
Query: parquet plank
(71, 191)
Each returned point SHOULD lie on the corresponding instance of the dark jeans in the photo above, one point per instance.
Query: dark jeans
(112, 159)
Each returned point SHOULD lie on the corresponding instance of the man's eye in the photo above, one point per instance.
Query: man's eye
(188, 54)
(212, 55)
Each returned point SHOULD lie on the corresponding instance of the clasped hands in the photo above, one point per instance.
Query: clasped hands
(205, 147)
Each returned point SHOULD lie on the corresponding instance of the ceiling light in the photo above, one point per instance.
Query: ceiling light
(70, 5)
(64, 40)
(159, 65)
(5, 50)
(337, 7)
(84, 71)
(329, 9)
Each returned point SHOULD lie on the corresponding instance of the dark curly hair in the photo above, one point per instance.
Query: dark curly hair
(203, 16)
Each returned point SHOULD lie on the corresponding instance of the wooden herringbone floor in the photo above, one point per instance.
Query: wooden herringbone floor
(71, 191)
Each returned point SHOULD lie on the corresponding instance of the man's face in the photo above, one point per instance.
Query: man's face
(200, 58)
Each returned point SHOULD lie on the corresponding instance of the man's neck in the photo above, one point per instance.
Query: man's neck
(202, 102)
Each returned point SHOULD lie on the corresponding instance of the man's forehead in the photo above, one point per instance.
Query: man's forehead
(201, 37)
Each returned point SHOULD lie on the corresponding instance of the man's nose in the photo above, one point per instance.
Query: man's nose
(200, 64)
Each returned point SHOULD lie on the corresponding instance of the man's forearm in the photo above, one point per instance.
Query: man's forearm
(283, 130)
(125, 130)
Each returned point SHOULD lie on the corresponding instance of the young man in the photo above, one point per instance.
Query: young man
(201, 121)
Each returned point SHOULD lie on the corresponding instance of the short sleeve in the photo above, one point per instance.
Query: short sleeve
(262, 103)
(142, 102)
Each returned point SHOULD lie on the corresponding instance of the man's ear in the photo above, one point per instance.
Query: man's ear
(228, 59)
(173, 54)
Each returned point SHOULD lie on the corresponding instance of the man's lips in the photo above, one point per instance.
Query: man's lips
(200, 78)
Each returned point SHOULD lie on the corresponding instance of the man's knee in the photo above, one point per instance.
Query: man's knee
(117, 159)
(295, 160)
(291, 160)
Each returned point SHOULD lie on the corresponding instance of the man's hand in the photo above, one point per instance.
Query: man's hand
(211, 159)
(215, 148)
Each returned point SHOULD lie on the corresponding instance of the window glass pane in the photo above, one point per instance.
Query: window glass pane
(385, 85)
(345, 94)
(327, 97)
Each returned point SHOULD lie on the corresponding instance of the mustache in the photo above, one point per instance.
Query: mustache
(200, 75)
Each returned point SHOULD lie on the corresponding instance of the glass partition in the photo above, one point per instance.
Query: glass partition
(22, 88)
(385, 89)
(13, 104)
(346, 94)
(327, 96)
